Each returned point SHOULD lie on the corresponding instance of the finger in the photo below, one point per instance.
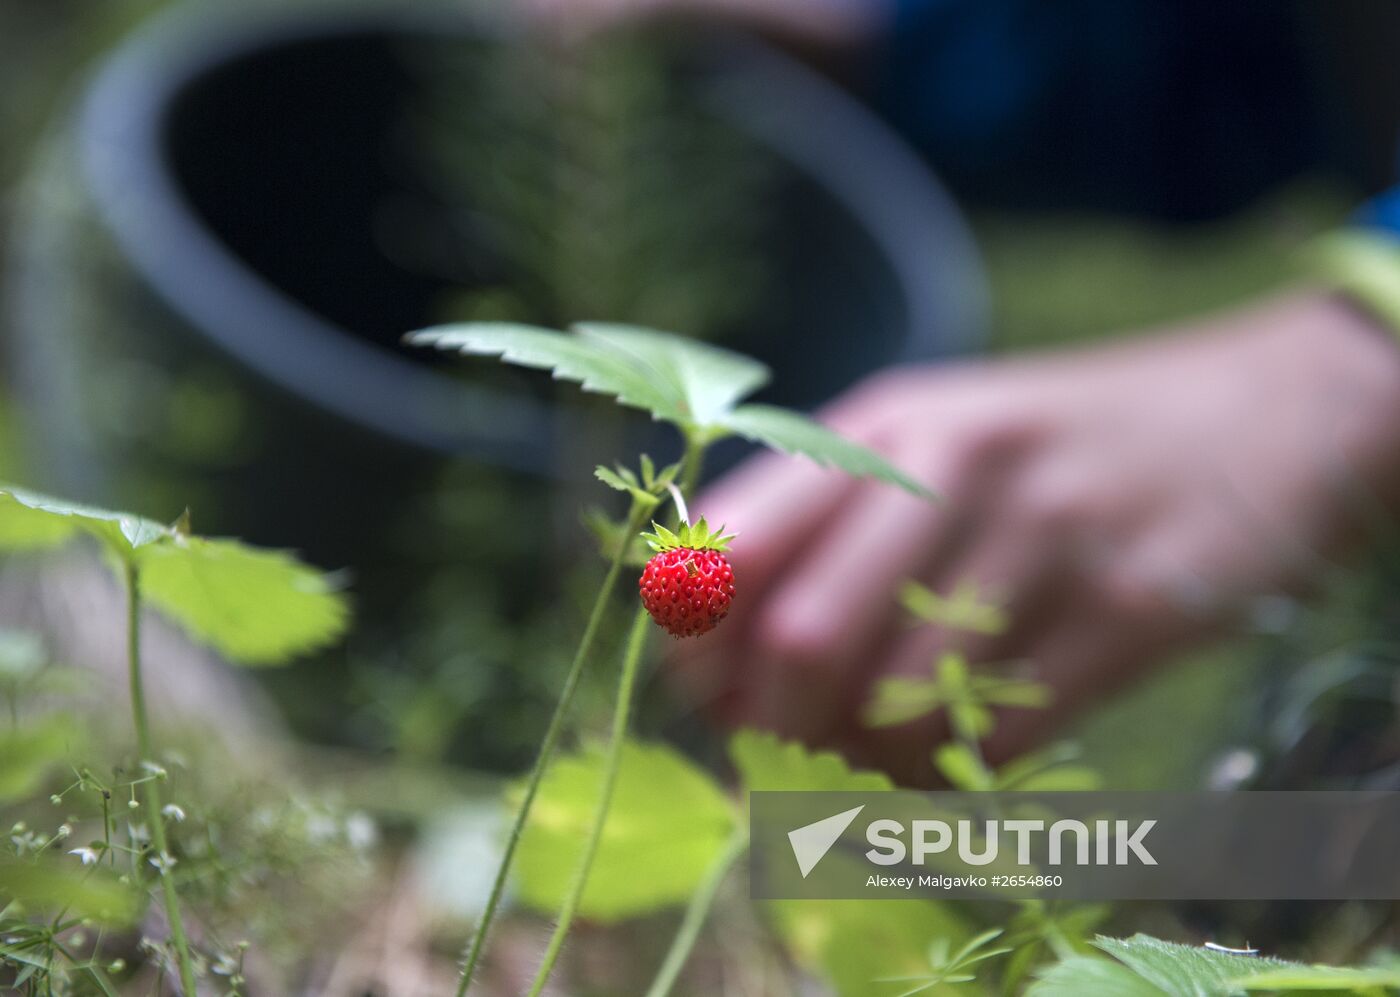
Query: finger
(837, 598)
(770, 504)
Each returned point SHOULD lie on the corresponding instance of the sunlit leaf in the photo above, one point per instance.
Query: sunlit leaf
(765, 762)
(592, 363)
(855, 943)
(31, 521)
(692, 384)
(709, 379)
(1186, 970)
(792, 433)
(668, 823)
(1089, 976)
(253, 606)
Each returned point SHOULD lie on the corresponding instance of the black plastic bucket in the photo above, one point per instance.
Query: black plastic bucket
(192, 322)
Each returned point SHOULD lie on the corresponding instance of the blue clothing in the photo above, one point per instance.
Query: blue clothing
(1176, 109)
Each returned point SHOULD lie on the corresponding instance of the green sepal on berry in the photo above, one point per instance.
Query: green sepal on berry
(697, 537)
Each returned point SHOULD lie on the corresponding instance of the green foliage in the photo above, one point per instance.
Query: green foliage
(668, 823)
(707, 381)
(28, 753)
(59, 883)
(1150, 967)
(963, 610)
(789, 432)
(678, 380)
(1090, 976)
(1046, 771)
(767, 763)
(1044, 927)
(1185, 969)
(854, 943)
(967, 696)
(644, 488)
(951, 967)
(254, 606)
(1366, 979)
(1051, 770)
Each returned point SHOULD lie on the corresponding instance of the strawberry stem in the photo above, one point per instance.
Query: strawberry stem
(635, 518)
(679, 499)
(636, 640)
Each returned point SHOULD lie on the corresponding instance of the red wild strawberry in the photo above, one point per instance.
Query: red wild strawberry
(688, 585)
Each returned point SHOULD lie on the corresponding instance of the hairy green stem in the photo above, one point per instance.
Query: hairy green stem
(695, 915)
(547, 746)
(636, 640)
(152, 785)
(693, 462)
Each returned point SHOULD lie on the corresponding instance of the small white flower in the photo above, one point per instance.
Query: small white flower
(226, 965)
(86, 855)
(155, 769)
(163, 862)
(64, 830)
(138, 833)
(360, 831)
(174, 812)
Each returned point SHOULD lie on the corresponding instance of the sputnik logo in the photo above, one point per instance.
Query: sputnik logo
(812, 841)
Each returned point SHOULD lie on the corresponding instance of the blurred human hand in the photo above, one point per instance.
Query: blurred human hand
(1120, 502)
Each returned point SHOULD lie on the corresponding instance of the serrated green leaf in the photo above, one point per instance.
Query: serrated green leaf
(1187, 970)
(1088, 976)
(668, 823)
(792, 433)
(710, 380)
(31, 521)
(611, 478)
(767, 763)
(253, 606)
(27, 754)
(592, 363)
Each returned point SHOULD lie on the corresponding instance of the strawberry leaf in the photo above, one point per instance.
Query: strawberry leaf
(254, 606)
(674, 379)
(792, 433)
(710, 381)
(691, 384)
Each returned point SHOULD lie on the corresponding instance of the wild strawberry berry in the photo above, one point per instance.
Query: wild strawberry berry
(688, 585)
